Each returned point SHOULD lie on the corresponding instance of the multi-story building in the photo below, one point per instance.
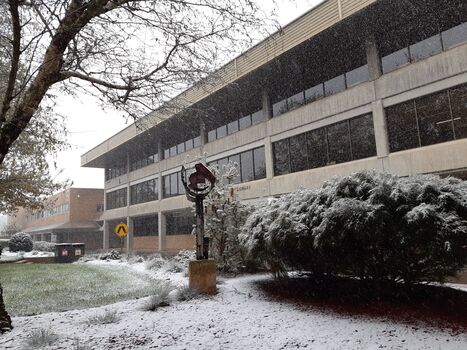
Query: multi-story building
(71, 216)
(350, 85)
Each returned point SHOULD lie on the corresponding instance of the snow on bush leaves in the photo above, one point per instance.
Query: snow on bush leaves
(366, 225)
(20, 242)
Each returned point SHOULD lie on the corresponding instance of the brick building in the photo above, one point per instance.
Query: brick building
(69, 216)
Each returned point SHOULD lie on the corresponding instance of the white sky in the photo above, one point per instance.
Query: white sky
(89, 125)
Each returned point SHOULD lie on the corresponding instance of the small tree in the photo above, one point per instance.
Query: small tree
(20, 242)
(225, 217)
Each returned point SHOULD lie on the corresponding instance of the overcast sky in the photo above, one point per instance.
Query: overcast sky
(89, 125)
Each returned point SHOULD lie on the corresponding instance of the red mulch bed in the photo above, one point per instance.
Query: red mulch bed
(420, 306)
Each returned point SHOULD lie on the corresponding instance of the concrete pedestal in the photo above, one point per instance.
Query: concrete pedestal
(202, 276)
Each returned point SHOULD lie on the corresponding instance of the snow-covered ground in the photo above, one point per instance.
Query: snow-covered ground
(238, 317)
(8, 256)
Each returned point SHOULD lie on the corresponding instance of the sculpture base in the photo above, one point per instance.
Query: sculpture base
(202, 276)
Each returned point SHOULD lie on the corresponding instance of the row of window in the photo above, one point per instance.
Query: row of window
(428, 120)
(251, 164)
(116, 169)
(116, 199)
(337, 143)
(178, 223)
(182, 147)
(425, 48)
(45, 213)
(328, 88)
(236, 125)
(143, 192)
(391, 62)
(142, 159)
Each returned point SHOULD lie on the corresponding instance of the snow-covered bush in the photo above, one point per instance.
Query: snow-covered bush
(368, 225)
(20, 242)
(186, 293)
(111, 255)
(43, 246)
(108, 317)
(224, 219)
(160, 296)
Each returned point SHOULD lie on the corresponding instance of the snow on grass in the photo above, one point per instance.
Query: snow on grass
(238, 317)
(35, 289)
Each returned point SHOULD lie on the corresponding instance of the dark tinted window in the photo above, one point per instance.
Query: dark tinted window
(298, 153)
(166, 184)
(459, 110)
(174, 184)
(362, 135)
(317, 148)
(402, 127)
(144, 192)
(314, 93)
(334, 85)
(281, 157)
(179, 224)
(245, 122)
(395, 60)
(434, 119)
(259, 163)
(145, 226)
(235, 159)
(339, 143)
(116, 199)
(246, 169)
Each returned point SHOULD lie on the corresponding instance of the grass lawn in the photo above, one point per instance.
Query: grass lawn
(41, 288)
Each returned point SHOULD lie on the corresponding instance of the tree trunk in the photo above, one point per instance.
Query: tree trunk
(5, 320)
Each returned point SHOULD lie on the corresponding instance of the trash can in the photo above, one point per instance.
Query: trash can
(78, 250)
(64, 252)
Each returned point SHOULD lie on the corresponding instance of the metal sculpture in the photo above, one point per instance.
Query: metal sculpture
(201, 182)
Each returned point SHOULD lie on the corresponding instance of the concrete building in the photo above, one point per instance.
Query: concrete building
(70, 216)
(350, 85)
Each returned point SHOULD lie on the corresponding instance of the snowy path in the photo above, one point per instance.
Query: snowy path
(237, 318)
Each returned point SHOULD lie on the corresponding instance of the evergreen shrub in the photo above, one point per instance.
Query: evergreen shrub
(20, 242)
(367, 225)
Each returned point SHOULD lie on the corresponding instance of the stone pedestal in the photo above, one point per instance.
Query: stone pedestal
(202, 276)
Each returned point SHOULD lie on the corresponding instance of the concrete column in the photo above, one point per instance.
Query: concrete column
(267, 106)
(268, 158)
(162, 231)
(381, 129)
(129, 237)
(105, 235)
(373, 58)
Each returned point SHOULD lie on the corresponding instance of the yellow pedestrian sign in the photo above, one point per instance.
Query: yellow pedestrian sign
(121, 230)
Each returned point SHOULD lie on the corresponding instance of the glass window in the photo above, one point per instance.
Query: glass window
(221, 131)
(245, 122)
(174, 184)
(173, 151)
(434, 119)
(402, 127)
(166, 186)
(197, 142)
(357, 76)
(281, 157)
(144, 192)
(279, 108)
(247, 169)
(317, 148)
(181, 188)
(258, 117)
(395, 60)
(455, 36)
(116, 199)
(296, 100)
(362, 135)
(181, 148)
(314, 93)
(232, 127)
(259, 163)
(146, 226)
(298, 153)
(235, 159)
(189, 144)
(339, 143)
(180, 223)
(459, 110)
(166, 153)
(334, 85)
(426, 48)
(212, 135)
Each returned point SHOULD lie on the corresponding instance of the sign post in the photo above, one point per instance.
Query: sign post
(121, 230)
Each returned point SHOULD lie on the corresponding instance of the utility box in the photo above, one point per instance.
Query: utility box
(68, 252)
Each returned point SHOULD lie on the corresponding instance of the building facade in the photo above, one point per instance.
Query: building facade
(350, 85)
(71, 216)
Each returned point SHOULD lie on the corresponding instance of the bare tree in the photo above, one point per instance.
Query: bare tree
(134, 53)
